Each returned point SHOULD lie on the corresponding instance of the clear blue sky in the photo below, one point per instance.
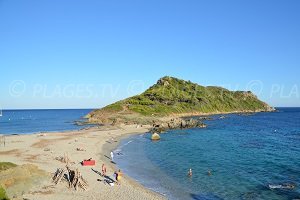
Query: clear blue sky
(86, 54)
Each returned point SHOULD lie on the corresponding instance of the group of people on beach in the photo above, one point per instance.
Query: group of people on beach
(118, 174)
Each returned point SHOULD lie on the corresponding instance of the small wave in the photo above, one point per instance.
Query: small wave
(128, 142)
(156, 190)
(119, 149)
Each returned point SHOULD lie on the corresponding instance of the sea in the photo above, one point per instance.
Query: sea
(237, 157)
(251, 157)
(42, 120)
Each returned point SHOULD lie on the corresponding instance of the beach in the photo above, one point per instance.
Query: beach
(150, 100)
(42, 149)
(242, 163)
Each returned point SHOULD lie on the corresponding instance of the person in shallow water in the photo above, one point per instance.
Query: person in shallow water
(190, 173)
(209, 173)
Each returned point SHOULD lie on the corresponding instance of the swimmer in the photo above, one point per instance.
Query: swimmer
(190, 173)
(209, 173)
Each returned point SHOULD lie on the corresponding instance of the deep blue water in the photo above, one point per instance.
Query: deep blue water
(33, 121)
(244, 153)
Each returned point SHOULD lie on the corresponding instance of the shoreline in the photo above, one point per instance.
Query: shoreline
(106, 148)
(147, 120)
(98, 143)
(201, 114)
(100, 154)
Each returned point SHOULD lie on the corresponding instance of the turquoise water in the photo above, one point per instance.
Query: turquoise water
(33, 121)
(244, 153)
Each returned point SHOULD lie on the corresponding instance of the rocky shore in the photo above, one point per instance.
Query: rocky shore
(176, 123)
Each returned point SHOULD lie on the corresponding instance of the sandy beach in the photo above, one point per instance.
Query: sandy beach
(42, 150)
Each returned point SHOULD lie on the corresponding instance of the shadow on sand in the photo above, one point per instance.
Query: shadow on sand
(106, 178)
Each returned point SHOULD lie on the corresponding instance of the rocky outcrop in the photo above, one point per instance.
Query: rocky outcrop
(205, 118)
(163, 82)
(177, 123)
(155, 136)
(171, 97)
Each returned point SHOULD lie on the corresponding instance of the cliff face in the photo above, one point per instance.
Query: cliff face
(174, 97)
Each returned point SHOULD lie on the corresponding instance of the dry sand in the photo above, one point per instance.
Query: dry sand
(42, 149)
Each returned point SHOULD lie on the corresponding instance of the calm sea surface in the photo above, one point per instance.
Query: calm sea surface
(33, 121)
(244, 153)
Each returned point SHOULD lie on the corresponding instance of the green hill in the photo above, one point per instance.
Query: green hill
(171, 96)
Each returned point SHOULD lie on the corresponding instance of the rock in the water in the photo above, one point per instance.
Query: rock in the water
(155, 136)
(205, 118)
(177, 123)
(202, 125)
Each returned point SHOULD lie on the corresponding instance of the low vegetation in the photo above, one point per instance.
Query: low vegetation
(171, 96)
(3, 195)
(4, 166)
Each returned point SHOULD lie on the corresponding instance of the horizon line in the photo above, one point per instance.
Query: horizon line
(8, 109)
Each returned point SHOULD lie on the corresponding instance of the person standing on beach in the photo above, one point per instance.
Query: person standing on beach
(118, 177)
(112, 156)
(103, 170)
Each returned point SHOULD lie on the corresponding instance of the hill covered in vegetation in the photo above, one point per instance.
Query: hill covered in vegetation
(175, 97)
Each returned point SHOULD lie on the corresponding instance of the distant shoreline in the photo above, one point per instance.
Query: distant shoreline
(87, 125)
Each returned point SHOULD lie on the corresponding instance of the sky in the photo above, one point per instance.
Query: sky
(87, 54)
